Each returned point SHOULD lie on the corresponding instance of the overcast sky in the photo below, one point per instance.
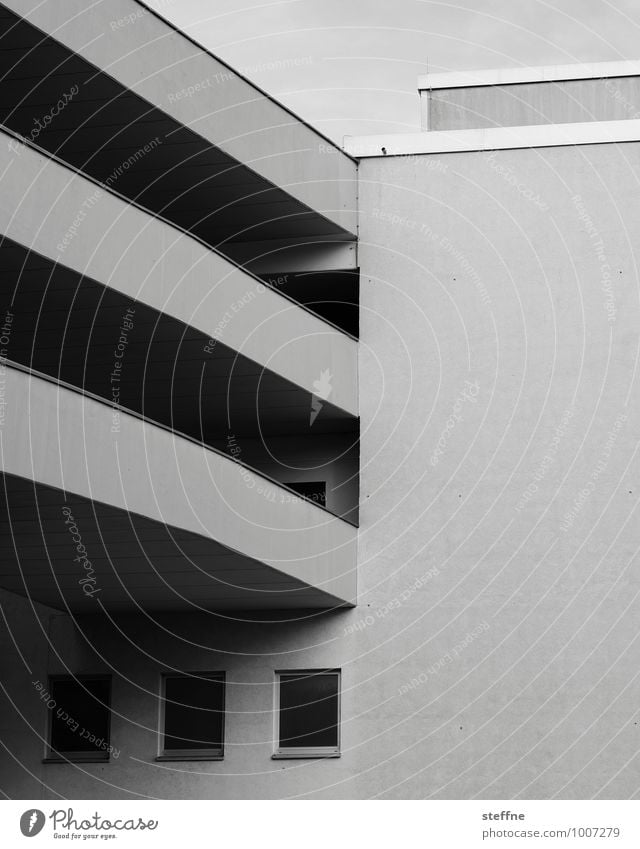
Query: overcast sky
(350, 66)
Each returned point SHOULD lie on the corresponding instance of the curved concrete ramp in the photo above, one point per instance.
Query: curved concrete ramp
(278, 550)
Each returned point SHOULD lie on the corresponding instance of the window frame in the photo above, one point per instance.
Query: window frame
(204, 754)
(296, 752)
(53, 756)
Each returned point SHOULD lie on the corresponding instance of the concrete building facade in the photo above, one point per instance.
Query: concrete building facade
(374, 419)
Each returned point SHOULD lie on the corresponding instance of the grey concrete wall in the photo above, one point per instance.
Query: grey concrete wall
(512, 276)
(136, 652)
(565, 101)
(36, 640)
(494, 652)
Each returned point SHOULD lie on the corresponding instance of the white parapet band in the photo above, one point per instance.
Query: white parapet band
(493, 138)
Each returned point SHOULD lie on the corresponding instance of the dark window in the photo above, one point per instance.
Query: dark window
(80, 718)
(315, 491)
(193, 707)
(309, 712)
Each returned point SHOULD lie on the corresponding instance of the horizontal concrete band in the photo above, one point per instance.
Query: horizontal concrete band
(146, 54)
(67, 218)
(77, 444)
(494, 138)
(543, 73)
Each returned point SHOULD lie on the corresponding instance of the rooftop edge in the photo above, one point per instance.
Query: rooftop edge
(493, 138)
(529, 74)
